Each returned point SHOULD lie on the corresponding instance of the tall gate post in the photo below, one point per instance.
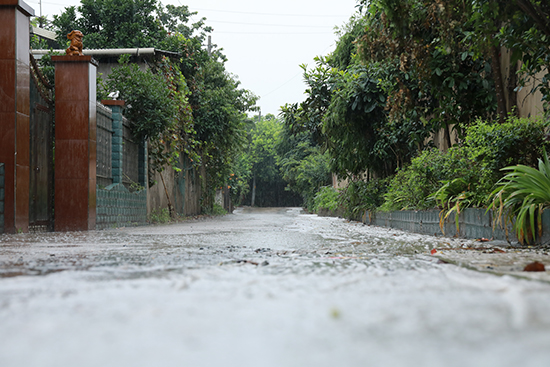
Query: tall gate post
(2, 174)
(75, 143)
(15, 112)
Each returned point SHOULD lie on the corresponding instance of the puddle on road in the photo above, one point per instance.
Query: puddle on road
(286, 239)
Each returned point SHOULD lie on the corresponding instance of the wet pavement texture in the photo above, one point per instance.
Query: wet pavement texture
(268, 287)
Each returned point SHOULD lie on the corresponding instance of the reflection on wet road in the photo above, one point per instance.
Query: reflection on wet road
(267, 287)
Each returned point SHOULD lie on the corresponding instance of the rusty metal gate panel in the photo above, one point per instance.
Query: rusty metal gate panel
(41, 153)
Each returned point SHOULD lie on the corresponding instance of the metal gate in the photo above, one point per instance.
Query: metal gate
(41, 190)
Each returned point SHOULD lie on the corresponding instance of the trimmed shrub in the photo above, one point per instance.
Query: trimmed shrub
(326, 198)
(468, 170)
(360, 196)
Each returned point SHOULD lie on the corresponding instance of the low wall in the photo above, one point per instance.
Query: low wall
(473, 223)
(118, 207)
(2, 185)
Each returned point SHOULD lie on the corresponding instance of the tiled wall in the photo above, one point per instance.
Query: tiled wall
(14, 111)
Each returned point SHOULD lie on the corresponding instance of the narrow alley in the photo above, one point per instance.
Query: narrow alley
(262, 287)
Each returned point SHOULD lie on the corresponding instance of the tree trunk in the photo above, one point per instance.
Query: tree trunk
(170, 206)
(253, 190)
(499, 85)
(512, 84)
(447, 136)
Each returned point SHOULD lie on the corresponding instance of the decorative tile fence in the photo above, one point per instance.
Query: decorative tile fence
(472, 223)
(121, 170)
(116, 206)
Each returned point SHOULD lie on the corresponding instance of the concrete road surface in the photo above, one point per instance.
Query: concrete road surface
(264, 287)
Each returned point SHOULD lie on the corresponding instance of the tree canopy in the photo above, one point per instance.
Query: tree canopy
(187, 105)
(126, 23)
(404, 69)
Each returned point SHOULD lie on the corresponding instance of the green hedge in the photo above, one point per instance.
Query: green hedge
(469, 169)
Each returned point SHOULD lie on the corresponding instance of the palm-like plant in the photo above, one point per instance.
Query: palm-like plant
(524, 194)
(452, 197)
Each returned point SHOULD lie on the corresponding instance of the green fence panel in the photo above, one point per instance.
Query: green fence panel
(118, 207)
(472, 223)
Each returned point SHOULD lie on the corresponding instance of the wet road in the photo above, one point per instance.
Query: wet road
(268, 287)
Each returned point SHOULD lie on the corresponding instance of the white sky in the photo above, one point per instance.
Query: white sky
(265, 41)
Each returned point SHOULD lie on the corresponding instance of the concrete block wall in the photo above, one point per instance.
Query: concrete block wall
(2, 195)
(118, 207)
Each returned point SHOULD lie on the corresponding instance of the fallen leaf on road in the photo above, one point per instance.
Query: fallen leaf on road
(483, 239)
(335, 313)
(535, 266)
(433, 251)
(246, 262)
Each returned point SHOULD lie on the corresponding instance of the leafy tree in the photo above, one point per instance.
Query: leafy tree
(38, 43)
(149, 104)
(204, 118)
(352, 122)
(240, 178)
(219, 108)
(404, 69)
(527, 32)
(302, 164)
(347, 111)
(346, 45)
(125, 23)
(307, 175)
(474, 30)
(308, 115)
(436, 79)
(523, 26)
(159, 111)
(267, 187)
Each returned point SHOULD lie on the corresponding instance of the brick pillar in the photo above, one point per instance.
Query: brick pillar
(75, 143)
(2, 173)
(15, 112)
(117, 141)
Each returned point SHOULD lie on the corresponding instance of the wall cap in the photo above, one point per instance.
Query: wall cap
(21, 5)
(67, 58)
(112, 102)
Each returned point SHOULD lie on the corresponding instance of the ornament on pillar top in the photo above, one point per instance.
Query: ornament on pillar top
(75, 49)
